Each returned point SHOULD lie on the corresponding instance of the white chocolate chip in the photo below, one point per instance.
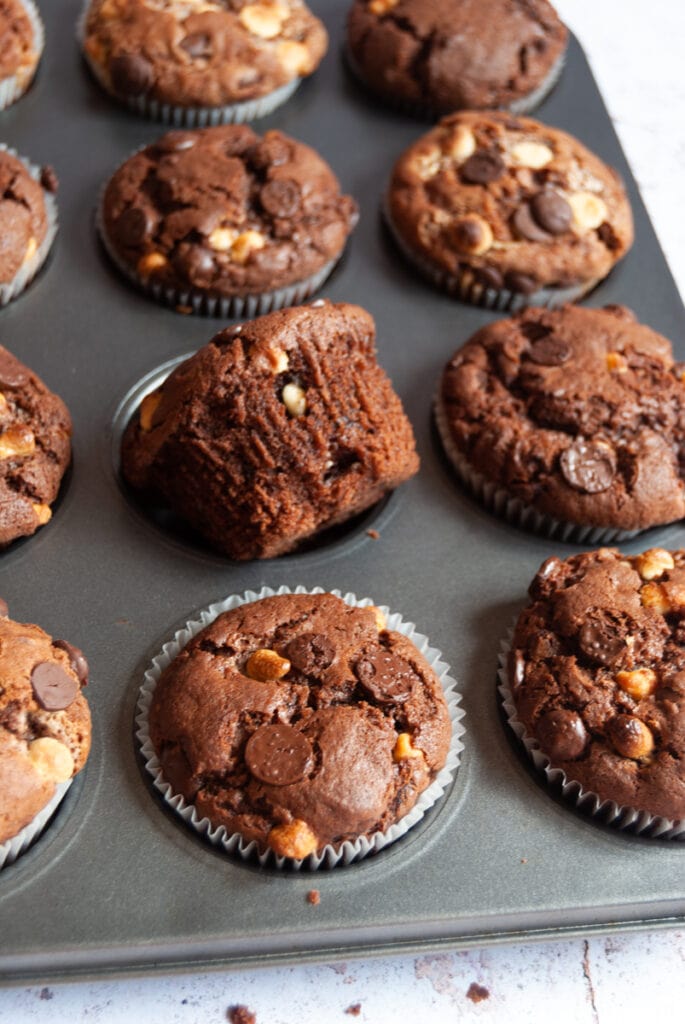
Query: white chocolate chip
(381, 7)
(278, 360)
(263, 20)
(589, 211)
(246, 243)
(531, 154)
(294, 57)
(17, 442)
(31, 249)
(460, 144)
(427, 163)
(294, 399)
(221, 239)
(51, 759)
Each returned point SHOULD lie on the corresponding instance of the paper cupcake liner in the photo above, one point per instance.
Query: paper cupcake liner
(619, 816)
(203, 304)
(465, 286)
(187, 117)
(30, 268)
(415, 108)
(234, 843)
(513, 510)
(14, 847)
(14, 87)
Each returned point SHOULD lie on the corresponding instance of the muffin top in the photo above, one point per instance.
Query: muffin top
(201, 53)
(18, 54)
(225, 212)
(23, 218)
(278, 427)
(299, 721)
(44, 720)
(447, 56)
(578, 412)
(510, 201)
(35, 449)
(597, 672)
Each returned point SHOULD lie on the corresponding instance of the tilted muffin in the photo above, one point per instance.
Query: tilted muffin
(196, 62)
(28, 221)
(437, 56)
(223, 221)
(21, 45)
(597, 676)
(577, 414)
(35, 449)
(299, 721)
(277, 428)
(507, 212)
(44, 725)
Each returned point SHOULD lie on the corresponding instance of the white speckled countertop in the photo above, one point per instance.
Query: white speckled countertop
(636, 50)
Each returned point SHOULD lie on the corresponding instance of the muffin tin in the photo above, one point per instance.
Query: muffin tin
(116, 883)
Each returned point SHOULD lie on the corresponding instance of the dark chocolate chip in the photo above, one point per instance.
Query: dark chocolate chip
(588, 466)
(551, 211)
(601, 639)
(522, 283)
(77, 659)
(175, 142)
(281, 197)
(53, 688)
(195, 263)
(549, 351)
(12, 373)
(48, 179)
(197, 44)
(266, 153)
(177, 771)
(562, 735)
(489, 276)
(311, 653)
(278, 755)
(609, 236)
(385, 676)
(485, 166)
(4, 609)
(132, 226)
(526, 227)
(131, 74)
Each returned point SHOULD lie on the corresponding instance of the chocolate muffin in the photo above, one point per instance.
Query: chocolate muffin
(44, 722)
(300, 722)
(507, 212)
(35, 449)
(28, 221)
(437, 56)
(223, 221)
(577, 414)
(276, 429)
(597, 675)
(196, 62)
(21, 45)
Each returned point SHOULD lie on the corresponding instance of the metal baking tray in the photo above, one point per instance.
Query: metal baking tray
(119, 884)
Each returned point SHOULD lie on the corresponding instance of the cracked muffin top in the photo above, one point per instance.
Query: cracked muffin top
(597, 673)
(23, 218)
(225, 212)
(201, 53)
(299, 721)
(278, 427)
(578, 412)
(445, 55)
(44, 720)
(35, 449)
(18, 55)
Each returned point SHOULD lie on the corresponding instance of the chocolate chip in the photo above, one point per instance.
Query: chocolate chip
(609, 236)
(562, 735)
(197, 44)
(278, 755)
(132, 226)
(195, 263)
(77, 659)
(177, 771)
(551, 211)
(489, 276)
(385, 676)
(484, 166)
(175, 142)
(522, 283)
(54, 689)
(12, 373)
(601, 639)
(311, 653)
(549, 351)
(4, 609)
(526, 227)
(466, 234)
(271, 152)
(48, 179)
(281, 197)
(131, 74)
(588, 466)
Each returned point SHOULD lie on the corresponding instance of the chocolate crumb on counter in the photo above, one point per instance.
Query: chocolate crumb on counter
(314, 897)
(477, 993)
(354, 1009)
(240, 1014)
(373, 534)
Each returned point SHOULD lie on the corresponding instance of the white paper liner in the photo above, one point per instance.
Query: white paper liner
(497, 500)
(202, 304)
(330, 856)
(466, 287)
(414, 108)
(187, 117)
(628, 819)
(14, 847)
(30, 268)
(14, 87)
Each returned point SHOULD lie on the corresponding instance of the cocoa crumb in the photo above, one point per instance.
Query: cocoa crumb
(477, 993)
(241, 1015)
(354, 1009)
(46, 993)
(373, 534)
(524, 860)
(314, 897)
(48, 179)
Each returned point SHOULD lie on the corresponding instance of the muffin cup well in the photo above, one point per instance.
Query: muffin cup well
(14, 847)
(496, 499)
(628, 819)
(30, 267)
(14, 86)
(330, 856)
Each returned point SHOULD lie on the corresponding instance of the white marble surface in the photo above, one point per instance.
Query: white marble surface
(637, 51)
